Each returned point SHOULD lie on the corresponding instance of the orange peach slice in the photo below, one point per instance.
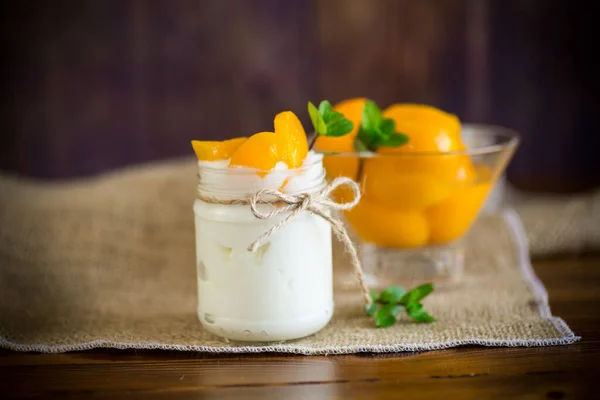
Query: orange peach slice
(287, 124)
(432, 131)
(428, 128)
(402, 189)
(388, 227)
(261, 151)
(265, 149)
(212, 151)
(450, 219)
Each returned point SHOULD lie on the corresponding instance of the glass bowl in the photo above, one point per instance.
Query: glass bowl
(416, 207)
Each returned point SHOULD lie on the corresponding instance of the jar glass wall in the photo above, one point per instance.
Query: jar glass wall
(284, 289)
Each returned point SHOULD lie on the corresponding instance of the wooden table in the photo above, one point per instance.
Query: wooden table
(467, 372)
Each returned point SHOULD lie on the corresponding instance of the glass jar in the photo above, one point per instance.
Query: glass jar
(284, 289)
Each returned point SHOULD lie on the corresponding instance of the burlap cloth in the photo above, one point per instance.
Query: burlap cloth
(109, 262)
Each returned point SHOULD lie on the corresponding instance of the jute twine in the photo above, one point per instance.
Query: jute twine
(320, 203)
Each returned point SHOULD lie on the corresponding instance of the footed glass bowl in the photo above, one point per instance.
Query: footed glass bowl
(417, 206)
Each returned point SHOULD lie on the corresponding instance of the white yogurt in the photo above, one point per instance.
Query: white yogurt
(284, 290)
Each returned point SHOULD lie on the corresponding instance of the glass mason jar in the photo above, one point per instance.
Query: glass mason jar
(416, 207)
(283, 290)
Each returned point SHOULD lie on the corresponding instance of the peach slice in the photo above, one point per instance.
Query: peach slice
(261, 151)
(428, 128)
(287, 124)
(212, 150)
(388, 227)
(450, 219)
(385, 181)
(264, 150)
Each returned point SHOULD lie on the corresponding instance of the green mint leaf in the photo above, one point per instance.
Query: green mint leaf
(325, 108)
(368, 140)
(387, 127)
(392, 294)
(334, 116)
(394, 299)
(371, 116)
(416, 312)
(376, 131)
(360, 147)
(339, 127)
(386, 315)
(317, 120)
(383, 321)
(337, 123)
(374, 296)
(328, 122)
(417, 294)
(393, 309)
(394, 140)
(372, 309)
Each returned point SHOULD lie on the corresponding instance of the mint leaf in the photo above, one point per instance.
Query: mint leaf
(325, 108)
(386, 315)
(376, 131)
(371, 309)
(337, 124)
(416, 312)
(371, 116)
(417, 294)
(392, 300)
(327, 122)
(360, 147)
(317, 119)
(368, 139)
(394, 140)
(387, 127)
(393, 309)
(392, 294)
(374, 296)
(384, 320)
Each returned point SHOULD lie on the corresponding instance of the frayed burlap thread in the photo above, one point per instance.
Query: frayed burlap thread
(109, 262)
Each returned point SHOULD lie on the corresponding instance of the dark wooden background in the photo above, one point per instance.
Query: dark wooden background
(90, 86)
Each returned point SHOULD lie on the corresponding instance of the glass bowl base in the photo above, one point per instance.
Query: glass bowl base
(441, 265)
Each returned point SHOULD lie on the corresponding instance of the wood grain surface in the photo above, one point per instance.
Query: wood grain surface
(562, 372)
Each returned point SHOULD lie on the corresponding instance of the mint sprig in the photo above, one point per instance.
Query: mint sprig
(376, 131)
(328, 122)
(387, 305)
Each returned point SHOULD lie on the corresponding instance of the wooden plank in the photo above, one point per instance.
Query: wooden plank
(485, 385)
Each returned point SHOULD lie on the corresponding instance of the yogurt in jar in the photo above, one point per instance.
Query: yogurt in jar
(282, 291)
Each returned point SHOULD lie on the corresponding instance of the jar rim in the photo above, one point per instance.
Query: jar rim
(213, 167)
(220, 180)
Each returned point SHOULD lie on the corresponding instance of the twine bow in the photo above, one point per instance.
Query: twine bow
(318, 203)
